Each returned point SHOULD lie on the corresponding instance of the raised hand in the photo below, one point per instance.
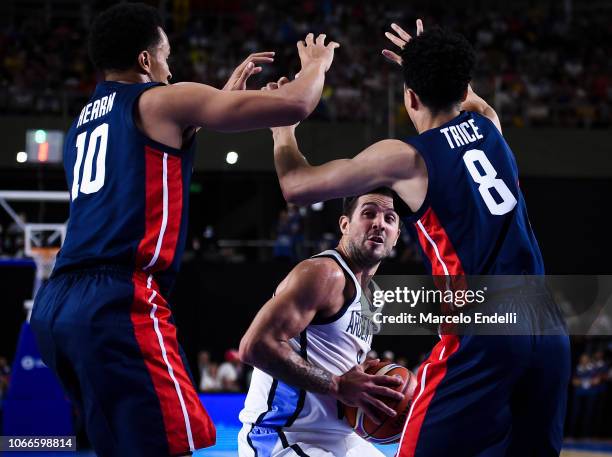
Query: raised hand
(400, 40)
(238, 79)
(311, 51)
(363, 390)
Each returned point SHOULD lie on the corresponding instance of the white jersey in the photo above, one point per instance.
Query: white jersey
(335, 343)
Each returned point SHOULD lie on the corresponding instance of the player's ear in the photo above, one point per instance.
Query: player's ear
(144, 61)
(465, 94)
(344, 224)
(413, 100)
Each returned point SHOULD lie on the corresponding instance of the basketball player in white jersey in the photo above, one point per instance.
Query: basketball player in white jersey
(308, 341)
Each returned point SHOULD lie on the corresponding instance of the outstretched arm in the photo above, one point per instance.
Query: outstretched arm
(192, 104)
(313, 285)
(385, 163)
(472, 101)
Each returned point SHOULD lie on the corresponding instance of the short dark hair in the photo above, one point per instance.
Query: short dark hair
(122, 32)
(438, 66)
(349, 203)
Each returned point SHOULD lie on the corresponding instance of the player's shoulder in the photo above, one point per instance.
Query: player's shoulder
(394, 146)
(397, 154)
(175, 102)
(314, 282)
(175, 92)
(322, 270)
(320, 275)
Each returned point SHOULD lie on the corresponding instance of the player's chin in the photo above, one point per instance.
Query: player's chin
(376, 251)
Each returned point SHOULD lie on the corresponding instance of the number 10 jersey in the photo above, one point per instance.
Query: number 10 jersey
(129, 194)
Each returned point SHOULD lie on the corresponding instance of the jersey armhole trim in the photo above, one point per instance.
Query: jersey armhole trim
(321, 320)
(131, 122)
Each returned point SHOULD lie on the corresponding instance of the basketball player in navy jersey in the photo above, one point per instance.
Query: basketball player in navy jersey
(102, 322)
(308, 341)
(477, 395)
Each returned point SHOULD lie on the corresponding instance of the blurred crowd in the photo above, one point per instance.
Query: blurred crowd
(230, 375)
(542, 64)
(297, 234)
(591, 394)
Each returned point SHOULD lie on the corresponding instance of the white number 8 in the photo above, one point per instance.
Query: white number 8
(87, 185)
(488, 181)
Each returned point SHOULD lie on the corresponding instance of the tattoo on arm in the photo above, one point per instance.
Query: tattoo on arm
(290, 367)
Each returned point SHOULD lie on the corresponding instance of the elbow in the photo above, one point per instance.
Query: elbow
(250, 351)
(295, 195)
(245, 351)
(291, 196)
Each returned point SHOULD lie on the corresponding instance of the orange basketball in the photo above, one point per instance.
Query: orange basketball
(390, 430)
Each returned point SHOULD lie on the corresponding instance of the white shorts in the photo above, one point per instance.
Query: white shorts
(270, 443)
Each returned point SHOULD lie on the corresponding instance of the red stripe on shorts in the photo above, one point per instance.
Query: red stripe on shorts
(430, 375)
(150, 324)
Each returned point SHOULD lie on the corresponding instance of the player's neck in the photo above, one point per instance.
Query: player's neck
(429, 121)
(363, 273)
(128, 77)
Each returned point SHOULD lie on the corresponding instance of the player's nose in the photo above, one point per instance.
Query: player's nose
(379, 221)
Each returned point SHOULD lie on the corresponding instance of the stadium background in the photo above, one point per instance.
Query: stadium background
(544, 65)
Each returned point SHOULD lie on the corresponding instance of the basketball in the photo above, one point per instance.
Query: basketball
(390, 429)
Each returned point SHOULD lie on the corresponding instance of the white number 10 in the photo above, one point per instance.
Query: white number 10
(489, 181)
(87, 185)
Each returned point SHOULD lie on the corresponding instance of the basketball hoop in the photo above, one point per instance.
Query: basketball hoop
(42, 240)
(44, 258)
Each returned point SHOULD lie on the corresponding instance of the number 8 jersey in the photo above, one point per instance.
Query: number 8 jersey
(474, 218)
(129, 194)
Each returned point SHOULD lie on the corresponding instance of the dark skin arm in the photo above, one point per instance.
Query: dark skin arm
(390, 163)
(314, 285)
(166, 112)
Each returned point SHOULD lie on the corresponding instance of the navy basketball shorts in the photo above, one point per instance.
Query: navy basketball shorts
(490, 396)
(108, 335)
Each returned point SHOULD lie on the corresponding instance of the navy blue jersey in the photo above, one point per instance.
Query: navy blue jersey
(474, 219)
(129, 194)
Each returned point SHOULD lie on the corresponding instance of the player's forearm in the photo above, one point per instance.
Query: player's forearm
(291, 166)
(280, 361)
(307, 89)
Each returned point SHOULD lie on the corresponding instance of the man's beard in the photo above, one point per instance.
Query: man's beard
(361, 259)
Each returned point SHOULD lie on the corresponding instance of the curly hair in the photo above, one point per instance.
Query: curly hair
(122, 32)
(438, 67)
